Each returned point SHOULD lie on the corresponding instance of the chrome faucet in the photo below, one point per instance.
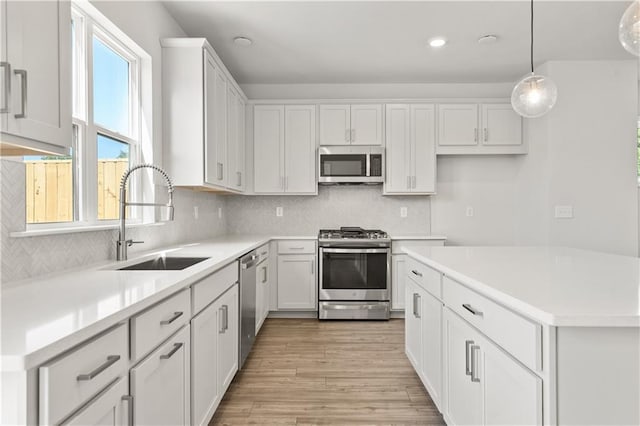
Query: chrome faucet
(122, 244)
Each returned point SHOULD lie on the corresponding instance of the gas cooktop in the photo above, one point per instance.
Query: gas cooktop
(350, 233)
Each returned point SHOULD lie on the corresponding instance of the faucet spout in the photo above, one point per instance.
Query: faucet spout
(122, 244)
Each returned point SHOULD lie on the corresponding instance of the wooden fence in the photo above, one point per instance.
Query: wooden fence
(50, 189)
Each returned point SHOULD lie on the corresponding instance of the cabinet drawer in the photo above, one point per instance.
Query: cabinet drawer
(210, 288)
(514, 333)
(297, 247)
(263, 251)
(154, 325)
(72, 379)
(427, 277)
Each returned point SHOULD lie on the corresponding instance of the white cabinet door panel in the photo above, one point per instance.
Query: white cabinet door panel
(296, 282)
(335, 124)
(300, 153)
(413, 325)
(227, 338)
(398, 152)
(458, 125)
(432, 345)
(220, 111)
(366, 124)
(110, 407)
(398, 282)
(232, 138)
(423, 148)
(211, 166)
(501, 125)
(204, 372)
(268, 148)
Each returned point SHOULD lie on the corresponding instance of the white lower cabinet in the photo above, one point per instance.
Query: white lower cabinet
(214, 360)
(160, 383)
(423, 337)
(113, 406)
(263, 289)
(297, 281)
(484, 385)
(398, 272)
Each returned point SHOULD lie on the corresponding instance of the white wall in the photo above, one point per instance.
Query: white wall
(583, 154)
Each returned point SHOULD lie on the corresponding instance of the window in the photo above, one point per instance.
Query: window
(83, 188)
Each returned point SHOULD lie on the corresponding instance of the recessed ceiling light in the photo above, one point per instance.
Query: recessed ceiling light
(243, 41)
(488, 39)
(437, 42)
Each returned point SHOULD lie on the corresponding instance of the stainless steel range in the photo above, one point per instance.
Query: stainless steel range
(355, 274)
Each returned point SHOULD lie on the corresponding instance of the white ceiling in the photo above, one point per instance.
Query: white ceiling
(386, 42)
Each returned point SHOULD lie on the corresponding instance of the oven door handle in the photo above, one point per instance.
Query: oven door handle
(354, 307)
(355, 250)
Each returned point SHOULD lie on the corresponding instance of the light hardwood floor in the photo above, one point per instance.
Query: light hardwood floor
(305, 372)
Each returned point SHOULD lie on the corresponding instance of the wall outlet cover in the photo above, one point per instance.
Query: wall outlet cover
(564, 212)
(403, 212)
(279, 212)
(469, 211)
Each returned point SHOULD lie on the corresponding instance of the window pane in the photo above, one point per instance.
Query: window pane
(49, 188)
(113, 162)
(110, 88)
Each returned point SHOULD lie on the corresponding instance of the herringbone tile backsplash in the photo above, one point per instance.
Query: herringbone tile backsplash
(34, 256)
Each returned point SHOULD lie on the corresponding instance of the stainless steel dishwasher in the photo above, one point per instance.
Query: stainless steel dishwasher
(248, 265)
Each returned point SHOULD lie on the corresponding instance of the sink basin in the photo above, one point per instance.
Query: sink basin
(164, 264)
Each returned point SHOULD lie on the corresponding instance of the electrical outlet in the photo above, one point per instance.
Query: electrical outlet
(564, 212)
(469, 212)
(279, 212)
(195, 212)
(403, 212)
(219, 212)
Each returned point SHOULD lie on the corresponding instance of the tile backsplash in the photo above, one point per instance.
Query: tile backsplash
(334, 206)
(32, 256)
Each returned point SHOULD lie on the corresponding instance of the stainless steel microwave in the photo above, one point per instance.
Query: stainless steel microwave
(350, 164)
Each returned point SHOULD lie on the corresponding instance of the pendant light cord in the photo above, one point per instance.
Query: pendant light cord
(531, 36)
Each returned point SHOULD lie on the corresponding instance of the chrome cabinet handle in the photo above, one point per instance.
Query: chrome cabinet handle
(111, 359)
(175, 316)
(23, 95)
(220, 171)
(264, 276)
(416, 299)
(313, 262)
(470, 309)
(486, 134)
(226, 317)
(176, 348)
(474, 377)
(129, 400)
(414, 272)
(475, 133)
(239, 178)
(347, 134)
(296, 248)
(7, 86)
(467, 368)
(221, 311)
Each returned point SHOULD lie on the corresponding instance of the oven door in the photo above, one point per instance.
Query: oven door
(354, 273)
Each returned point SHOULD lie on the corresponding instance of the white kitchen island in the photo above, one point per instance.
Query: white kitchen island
(526, 335)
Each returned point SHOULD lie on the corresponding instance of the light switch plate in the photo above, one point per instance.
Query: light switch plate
(219, 212)
(564, 212)
(403, 212)
(196, 213)
(469, 211)
(279, 211)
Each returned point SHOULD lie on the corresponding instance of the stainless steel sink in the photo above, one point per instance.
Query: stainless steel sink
(164, 264)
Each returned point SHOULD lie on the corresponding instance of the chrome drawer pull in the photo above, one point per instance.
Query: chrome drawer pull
(296, 248)
(23, 94)
(467, 369)
(474, 378)
(414, 272)
(176, 348)
(175, 316)
(470, 309)
(111, 359)
(129, 400)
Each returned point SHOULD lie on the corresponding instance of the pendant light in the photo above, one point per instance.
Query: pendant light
(535, 94)
(629, 30)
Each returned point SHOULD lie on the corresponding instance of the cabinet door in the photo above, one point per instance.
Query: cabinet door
(227, 307)
(204, 372)
(512, 393)
(413, 325)
(398, 150)
(366, 124)
(268, 151)
(462, 396)
(398, 281)
(458, 125)
(110, 407)
(220, 111)
(300, 148)
(262, 293)
(240, 145)
(160, 384)
(232, 138)
(212, 169)
(432, 345)
(501, 125)
(423, 148)
(297, 282)
(335, 125)
(40, 75)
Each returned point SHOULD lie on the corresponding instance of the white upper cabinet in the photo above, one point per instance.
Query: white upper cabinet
(285, 149)
(351, 124)
(203, 118)
(489, 128)
(35, 77)
(410, 140)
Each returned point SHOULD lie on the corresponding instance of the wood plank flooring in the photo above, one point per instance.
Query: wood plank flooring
(308, 372)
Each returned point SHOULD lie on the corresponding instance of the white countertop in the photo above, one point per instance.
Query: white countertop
(552, 285)
(417, 237)
(43, 316)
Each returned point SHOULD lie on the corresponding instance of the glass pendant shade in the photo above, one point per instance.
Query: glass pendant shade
(629, 30)
(534, 96)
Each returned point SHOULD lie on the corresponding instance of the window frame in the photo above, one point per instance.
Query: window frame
(85, 150)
